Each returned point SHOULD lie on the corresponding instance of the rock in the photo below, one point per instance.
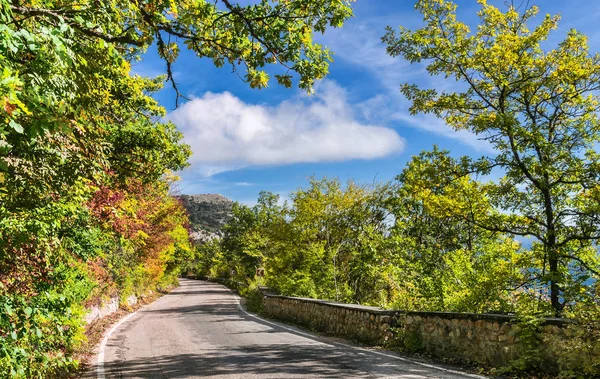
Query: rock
(208, 214)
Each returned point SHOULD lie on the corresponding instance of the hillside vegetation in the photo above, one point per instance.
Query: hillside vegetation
(86, 156)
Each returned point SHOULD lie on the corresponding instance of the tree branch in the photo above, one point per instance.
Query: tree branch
(584, 264)
(65, 15)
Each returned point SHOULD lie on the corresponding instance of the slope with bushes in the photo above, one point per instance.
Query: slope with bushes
(86, 156)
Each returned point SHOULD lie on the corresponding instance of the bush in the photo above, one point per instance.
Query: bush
(406, 338)
(39, 333)
(579, 353)
(254, 300)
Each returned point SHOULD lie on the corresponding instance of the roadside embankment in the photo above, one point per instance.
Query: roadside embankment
(483, 339)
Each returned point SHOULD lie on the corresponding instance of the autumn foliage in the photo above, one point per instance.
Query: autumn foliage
(86, 156)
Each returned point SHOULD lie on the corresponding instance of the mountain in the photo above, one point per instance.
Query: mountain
(208, 213)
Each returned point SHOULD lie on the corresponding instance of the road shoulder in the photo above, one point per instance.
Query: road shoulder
(98, 331)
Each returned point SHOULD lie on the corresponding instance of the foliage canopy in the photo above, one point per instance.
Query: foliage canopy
(538, 109)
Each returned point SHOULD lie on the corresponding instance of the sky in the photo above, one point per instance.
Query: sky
(355, 127)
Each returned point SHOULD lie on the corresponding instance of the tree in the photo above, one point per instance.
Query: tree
(244, 241)
(537, 108)
(444, 261)
(247, 37)
(326, 242)
(329, 245)
(66, 85)
(84, 152)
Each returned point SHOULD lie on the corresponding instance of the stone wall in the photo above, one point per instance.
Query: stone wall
(106, 308)
(356, 322)
(491, 340)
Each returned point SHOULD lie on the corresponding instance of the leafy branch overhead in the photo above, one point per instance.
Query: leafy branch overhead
(247, 37)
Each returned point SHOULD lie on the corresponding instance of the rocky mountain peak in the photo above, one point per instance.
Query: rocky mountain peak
(208, 214)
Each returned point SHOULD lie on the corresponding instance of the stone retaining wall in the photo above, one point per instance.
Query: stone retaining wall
(106, 308)
(491, 340)
(356, 322)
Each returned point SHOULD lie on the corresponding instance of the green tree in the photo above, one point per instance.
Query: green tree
(326, 242)
(244, 242)
(84, 153)
(247, 37)
(444, 261)
(329, 244)
(537, 108)
(248, 236)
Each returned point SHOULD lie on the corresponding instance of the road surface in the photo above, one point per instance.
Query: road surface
(198, 331)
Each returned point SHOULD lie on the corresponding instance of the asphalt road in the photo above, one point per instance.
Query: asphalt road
(199, 331)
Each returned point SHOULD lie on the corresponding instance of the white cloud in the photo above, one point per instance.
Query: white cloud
(226, 133)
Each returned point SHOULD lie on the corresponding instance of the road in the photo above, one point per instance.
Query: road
(199, 331)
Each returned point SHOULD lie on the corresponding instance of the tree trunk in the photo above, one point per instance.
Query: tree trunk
(554, 284)
(552, 253)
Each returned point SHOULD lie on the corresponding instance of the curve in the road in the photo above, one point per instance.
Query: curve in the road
(200, 330)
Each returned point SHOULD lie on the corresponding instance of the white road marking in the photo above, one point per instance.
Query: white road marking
(102, 375)
(100, 368)
(443, 369)
(100, 372)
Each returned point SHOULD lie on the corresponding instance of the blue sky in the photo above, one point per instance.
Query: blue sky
(356, 126)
